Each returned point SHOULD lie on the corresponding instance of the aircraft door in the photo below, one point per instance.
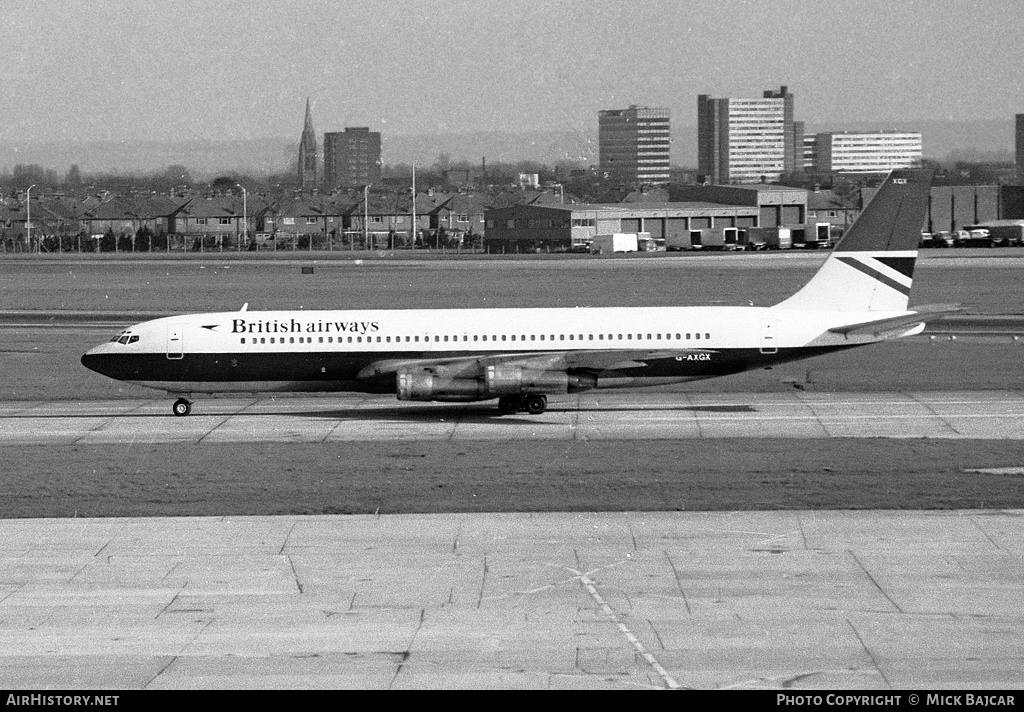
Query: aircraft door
(769, 337)
(175, 347)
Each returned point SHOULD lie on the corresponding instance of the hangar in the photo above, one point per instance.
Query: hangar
(562, 228)
(776, 205)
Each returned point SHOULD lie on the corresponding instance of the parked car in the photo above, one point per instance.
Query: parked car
(936, 239)
(979, 238)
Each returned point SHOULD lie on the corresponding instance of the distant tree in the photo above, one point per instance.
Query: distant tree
(108, 242)
(443, 162)
(533, 167)
(115, 182)
(501, 173)
(224, 184)
(845, 190)
(160, 241)
(179, 174)
(143, 238)
(73, 180)
(33, 174)
(88, 244)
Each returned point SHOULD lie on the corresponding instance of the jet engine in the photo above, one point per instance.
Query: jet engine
(514, 380)
(428, 386)
(498, 380)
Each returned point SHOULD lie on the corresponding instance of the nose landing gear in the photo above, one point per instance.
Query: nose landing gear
(182, 407)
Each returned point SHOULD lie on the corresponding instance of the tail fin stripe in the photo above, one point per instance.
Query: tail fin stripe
(875, 274)
(903, 265)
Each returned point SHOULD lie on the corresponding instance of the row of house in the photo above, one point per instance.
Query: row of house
(378, 216)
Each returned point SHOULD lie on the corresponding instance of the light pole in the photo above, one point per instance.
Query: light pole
(245, 216)
(366, 215)
(28, 214)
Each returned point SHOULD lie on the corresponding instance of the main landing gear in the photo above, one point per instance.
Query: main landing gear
(182, 407)
(534, 404)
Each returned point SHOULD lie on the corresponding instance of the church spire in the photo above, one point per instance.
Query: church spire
(309, 121)
(307, 152)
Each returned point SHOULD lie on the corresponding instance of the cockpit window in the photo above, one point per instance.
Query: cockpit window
(125, 337)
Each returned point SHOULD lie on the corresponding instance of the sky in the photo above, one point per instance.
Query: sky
(113, 70)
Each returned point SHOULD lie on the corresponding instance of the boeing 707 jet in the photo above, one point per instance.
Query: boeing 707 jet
(859, 296)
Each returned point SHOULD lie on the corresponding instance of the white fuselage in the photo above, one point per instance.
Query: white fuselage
(254, 350)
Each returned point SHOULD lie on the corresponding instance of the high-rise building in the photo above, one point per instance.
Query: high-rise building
(633, 145)
(1020, 148)
(307, 152)
(352, 157)
(863, 151)
(747, 140)
(793, 139)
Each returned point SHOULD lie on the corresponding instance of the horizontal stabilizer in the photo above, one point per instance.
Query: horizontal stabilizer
(920, 315)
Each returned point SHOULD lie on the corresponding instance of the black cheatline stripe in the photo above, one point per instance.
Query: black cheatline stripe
(887, 281)
(203, 372)
(903, 265)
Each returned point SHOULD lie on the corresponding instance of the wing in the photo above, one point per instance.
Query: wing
(581, 361)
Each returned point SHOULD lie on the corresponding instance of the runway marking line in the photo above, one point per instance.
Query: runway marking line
(588, 583)
(997, 471)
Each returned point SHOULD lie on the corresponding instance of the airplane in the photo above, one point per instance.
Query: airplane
(859, 296)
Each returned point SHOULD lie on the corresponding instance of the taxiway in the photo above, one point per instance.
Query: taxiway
(589, 416)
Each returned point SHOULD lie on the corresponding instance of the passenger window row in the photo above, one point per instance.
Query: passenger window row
(437, 338)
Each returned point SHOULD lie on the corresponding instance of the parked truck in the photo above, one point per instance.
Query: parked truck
(677, 241)
(766, 238)
(614, 242)
(1001, 233)
(709, 238)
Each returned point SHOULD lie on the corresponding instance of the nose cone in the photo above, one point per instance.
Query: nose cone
(99, 359)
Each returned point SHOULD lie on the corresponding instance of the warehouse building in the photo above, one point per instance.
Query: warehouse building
(563, 228)
(775, 205)
(955, 207)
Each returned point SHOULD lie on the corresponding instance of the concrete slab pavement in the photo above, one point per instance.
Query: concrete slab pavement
(589, 416)
(819, 600)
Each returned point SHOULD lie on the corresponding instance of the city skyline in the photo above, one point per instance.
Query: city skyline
(113, 71)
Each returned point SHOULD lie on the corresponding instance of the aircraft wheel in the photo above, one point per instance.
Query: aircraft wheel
(535, 405)
(509, 404)
(181, 407)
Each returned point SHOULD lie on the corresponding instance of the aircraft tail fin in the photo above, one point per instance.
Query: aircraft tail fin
(872, 266)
